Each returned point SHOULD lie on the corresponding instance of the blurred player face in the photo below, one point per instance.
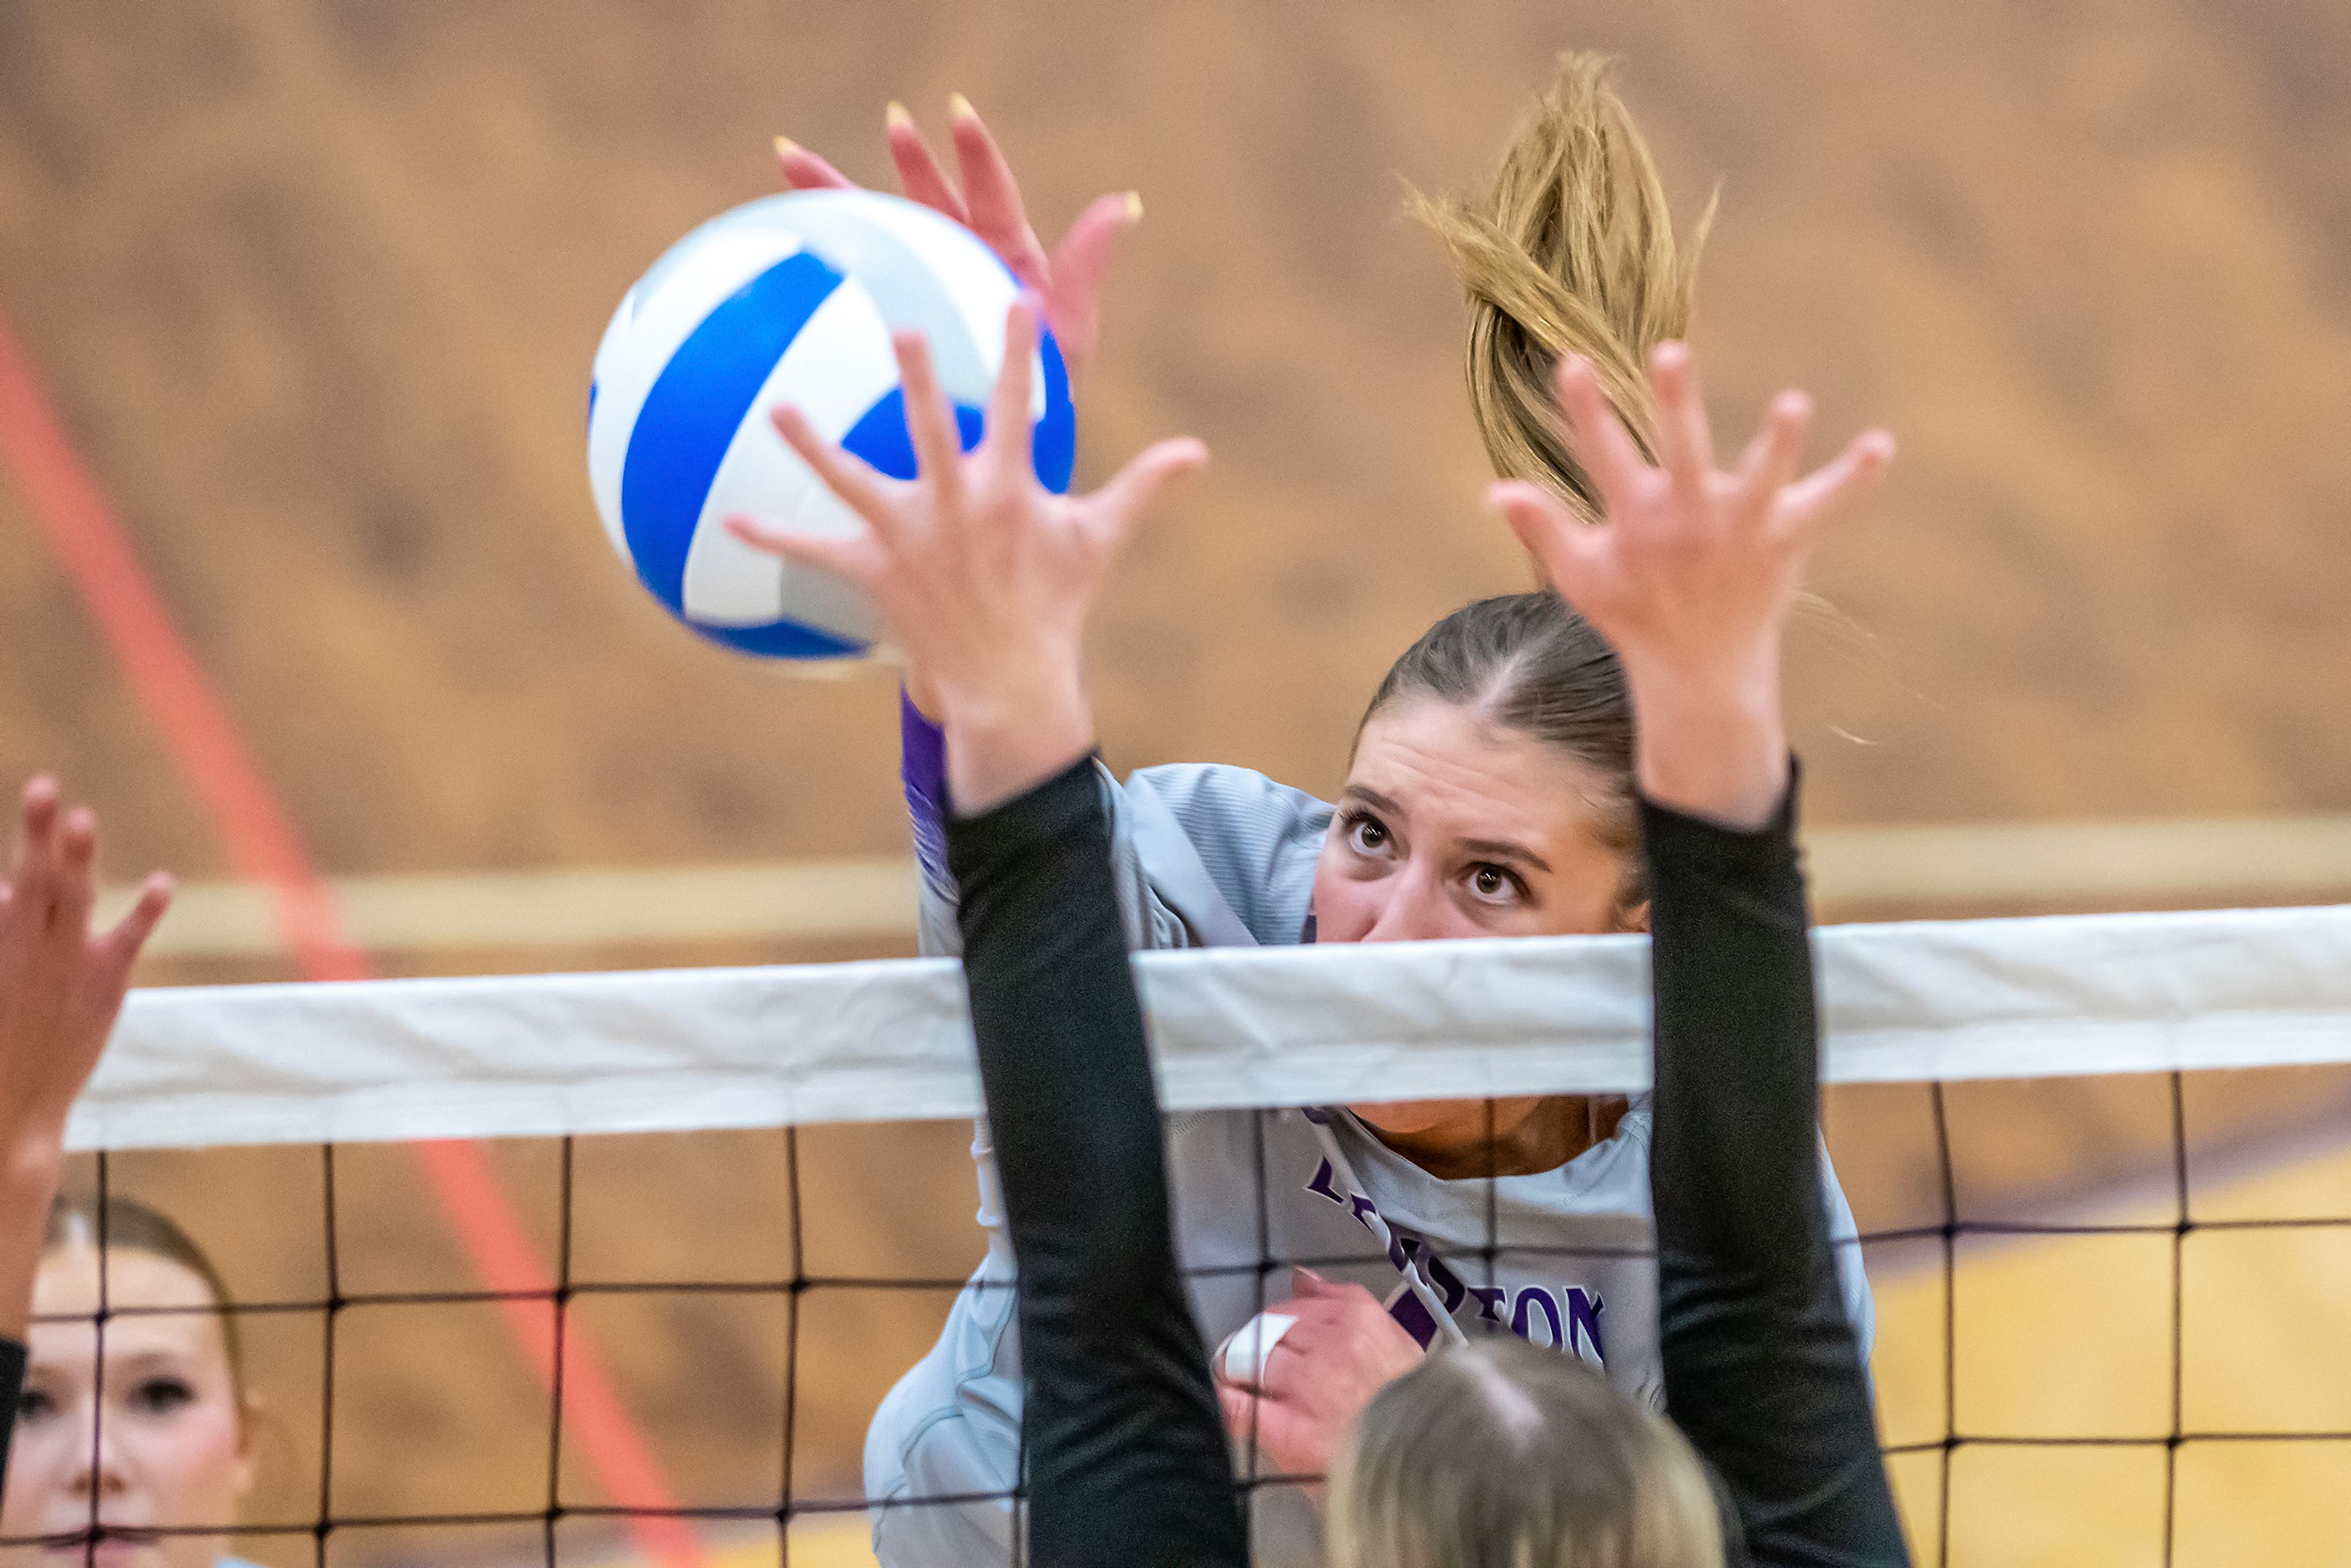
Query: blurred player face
(160, 1440)
(1450, 827)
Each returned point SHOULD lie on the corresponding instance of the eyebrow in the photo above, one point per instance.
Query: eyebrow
(1491, 848)
(1503, 850)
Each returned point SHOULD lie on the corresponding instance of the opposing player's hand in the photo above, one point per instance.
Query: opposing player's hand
(982, 575)
(1068, 280)
(1691, 573)
(61, 987)
(1343, 1349)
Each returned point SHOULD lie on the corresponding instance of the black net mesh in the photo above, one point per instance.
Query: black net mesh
(2103, 1331)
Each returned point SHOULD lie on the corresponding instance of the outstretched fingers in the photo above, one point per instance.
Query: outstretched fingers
(1769, 460)
(75, 888)
(1809, 504)
(919, 175)
(993, 197)
(1147, 477)
(37, 817)
(804, 170)
(119, 948)
(850, 559)
(930, 420)
(38, 872)
(1080, 264)
(1569, 550)
(1600, 441)
(1685, 443)
(847, 476)
(1010, 441)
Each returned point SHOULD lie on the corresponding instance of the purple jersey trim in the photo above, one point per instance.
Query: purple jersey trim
(923, 770)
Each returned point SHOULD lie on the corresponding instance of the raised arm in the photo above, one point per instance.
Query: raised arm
(1691, 576)
(986, 580)
(61, 987)
(1127, 1461)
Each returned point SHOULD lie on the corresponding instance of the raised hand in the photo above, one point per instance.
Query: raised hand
(1068, 280)
(980, 574)
(1690, 575)
(61, 987)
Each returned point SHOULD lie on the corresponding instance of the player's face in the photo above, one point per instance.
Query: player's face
(159, 1440)
(1449, 827)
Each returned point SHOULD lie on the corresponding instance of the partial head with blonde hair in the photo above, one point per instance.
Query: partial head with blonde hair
(135, 1416)
(1500, 1455)
(1570, 250)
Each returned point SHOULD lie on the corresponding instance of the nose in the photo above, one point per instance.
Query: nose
(98, 1465)
(1415, 911)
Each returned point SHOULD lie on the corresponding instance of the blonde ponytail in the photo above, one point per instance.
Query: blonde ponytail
(1571, 250)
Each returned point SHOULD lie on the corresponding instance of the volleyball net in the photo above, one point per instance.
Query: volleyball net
(2100, 1167)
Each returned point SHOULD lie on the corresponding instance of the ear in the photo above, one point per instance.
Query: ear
(250, 1414)
(1633, 918)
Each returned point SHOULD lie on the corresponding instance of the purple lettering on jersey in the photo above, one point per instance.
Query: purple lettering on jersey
(1321, 1186)
(1412, 1315)
(1581, 1327)
(1583, 1323)
(1399, 1258)
(1440, 1274)
(1522, 1322)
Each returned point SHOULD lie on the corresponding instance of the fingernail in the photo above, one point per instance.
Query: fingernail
(786, 146)
(960, 107)
(896, 116)
(1135, 207)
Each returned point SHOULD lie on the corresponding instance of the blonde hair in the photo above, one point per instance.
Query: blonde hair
(1570, 250)
(1500, 1455)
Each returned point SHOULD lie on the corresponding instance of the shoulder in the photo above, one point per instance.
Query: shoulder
(1257, 839)
(1218, 789)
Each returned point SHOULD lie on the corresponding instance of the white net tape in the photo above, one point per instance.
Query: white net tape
(546, 1055)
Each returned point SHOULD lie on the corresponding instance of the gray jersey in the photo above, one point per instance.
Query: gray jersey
(1208, 855)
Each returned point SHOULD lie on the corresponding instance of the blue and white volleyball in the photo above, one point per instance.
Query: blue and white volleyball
(789, 300)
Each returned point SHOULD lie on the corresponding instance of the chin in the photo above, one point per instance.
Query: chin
(111, 1552)
(1404, 1117)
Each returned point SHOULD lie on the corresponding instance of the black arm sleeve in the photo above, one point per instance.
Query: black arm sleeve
(1760, 1367)
(12, 1388)
(1127, 1461)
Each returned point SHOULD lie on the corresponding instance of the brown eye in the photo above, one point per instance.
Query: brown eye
(34, 1404)
(1492, 885)
(1367, 835)
(161, 1396)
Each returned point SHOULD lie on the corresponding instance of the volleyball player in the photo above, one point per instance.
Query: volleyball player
(61, 989)
(1222, 856)
(1481, 1453)
(148, 1433)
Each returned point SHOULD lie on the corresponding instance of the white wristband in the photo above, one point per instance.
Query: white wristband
(1241, 1358)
